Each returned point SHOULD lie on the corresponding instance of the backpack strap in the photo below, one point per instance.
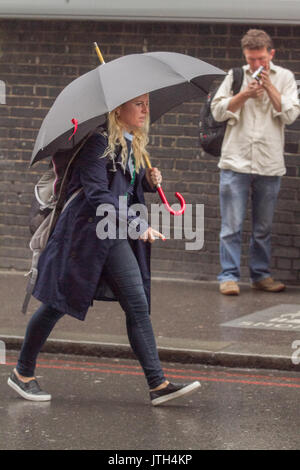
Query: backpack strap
(238, 77)
(63, 188)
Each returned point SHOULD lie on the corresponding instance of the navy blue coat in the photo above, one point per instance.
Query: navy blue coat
(70, 267)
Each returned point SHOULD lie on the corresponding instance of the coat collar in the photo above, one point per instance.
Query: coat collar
(128, 136)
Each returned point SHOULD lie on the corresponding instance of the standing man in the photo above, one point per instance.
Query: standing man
(252, 159)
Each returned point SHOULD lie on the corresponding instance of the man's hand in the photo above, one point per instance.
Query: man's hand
(272, 91)
(265, 79)
(253, 90)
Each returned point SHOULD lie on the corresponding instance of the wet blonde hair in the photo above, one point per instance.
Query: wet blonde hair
(116, 138)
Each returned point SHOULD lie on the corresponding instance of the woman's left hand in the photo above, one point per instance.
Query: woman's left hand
(153, 176)
(151, 235)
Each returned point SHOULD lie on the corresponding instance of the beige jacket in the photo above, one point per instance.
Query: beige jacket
(254, 137)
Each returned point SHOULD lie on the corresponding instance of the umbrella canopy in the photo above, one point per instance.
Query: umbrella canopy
(169, 78)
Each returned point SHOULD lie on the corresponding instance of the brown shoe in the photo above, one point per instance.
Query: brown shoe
(269, 285)
(229, 288)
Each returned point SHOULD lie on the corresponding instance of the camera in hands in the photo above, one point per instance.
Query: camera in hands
(257, 74)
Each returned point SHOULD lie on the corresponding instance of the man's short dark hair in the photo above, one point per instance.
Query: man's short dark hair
(256, 39)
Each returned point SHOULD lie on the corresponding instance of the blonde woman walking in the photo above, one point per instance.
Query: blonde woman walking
(78, 267)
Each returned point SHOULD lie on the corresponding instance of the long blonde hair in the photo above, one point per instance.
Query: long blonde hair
(116, 138)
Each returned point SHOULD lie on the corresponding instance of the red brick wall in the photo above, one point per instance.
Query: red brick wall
(38, 58)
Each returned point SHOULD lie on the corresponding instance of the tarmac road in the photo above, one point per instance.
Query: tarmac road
(102, 404)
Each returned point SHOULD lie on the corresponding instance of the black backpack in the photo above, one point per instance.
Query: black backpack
(212, 132)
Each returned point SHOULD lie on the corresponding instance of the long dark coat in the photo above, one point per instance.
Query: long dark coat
(70, 267)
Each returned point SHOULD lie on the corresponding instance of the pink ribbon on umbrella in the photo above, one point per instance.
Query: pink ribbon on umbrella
(75, 122)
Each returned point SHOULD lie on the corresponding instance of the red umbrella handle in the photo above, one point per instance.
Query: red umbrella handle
(167, 205)
(163, 196)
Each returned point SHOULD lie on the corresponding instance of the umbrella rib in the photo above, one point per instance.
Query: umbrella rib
(101, 85)
(170, 67)
(198, 86)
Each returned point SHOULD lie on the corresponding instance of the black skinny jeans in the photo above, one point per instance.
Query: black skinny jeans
(123, 275)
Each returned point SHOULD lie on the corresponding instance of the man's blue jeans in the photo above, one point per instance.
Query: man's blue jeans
(234, 192)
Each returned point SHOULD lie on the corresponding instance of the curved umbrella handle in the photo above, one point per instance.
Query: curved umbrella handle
(163, 196)
(167, 205)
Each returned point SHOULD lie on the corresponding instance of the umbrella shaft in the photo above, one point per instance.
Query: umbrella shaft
(148, 163)
(100, 56)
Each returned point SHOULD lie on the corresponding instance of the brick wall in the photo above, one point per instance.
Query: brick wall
(38, 58)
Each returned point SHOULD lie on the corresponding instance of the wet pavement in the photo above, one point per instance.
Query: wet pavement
(103, 404)
(192, 322)
(245, 351)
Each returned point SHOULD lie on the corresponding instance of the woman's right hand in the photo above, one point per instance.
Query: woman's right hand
(150, 235)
